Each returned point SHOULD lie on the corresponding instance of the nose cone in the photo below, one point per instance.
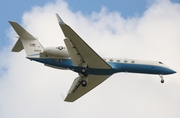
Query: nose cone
(171, 71)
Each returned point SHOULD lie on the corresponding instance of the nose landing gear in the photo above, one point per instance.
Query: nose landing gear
(162, 80)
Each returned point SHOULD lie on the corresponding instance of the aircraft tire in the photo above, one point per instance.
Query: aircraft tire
(84, 83)
(83, 71)
(162, 80)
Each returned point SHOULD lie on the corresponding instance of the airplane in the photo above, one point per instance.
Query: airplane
(79, 57)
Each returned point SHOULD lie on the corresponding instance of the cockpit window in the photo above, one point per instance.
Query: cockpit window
(125, 61)
(160, 62)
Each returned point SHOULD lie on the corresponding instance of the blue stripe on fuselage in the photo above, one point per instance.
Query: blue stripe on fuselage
(140, 68)
(116, 67)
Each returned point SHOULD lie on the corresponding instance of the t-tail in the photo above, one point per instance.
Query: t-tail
(26, 41)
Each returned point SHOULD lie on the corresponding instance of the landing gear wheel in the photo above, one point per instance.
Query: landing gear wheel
(84, 83)
(83, 70)
(162, 80)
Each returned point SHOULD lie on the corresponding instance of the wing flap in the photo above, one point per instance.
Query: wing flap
(75, 57)
(76, 83)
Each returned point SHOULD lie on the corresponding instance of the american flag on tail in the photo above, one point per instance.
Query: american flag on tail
(32, 45)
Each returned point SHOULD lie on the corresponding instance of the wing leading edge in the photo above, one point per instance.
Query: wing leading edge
(82, 54)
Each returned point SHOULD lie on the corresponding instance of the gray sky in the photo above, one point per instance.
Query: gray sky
(29, 89)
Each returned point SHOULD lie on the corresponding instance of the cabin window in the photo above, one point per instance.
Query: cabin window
(110, 60)
(118, 60)
(58, 60)
(132, 61)
(125, 61)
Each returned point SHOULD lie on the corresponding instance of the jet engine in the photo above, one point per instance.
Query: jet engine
(59, 51)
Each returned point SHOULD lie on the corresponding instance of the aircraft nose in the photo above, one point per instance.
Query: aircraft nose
(171, 71)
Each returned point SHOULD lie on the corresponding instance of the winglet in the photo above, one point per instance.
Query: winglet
(59, 19)
(62, 96)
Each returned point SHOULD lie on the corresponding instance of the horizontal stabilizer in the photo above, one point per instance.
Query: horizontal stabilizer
(21, 31)
(18, 46)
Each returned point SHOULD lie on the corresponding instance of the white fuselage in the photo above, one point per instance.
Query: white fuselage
(58, 57)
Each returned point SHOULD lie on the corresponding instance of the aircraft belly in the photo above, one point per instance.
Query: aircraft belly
(63, 63)
(139, 68)
(67, 64)
(116, 67)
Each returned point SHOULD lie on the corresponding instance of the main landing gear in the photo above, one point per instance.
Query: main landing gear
(83, 71)
(162, 80)
(84, 83)
(84, 80)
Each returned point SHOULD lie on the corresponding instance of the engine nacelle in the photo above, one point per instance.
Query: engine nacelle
(56, 51)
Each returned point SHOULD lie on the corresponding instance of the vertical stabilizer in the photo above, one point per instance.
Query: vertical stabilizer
(26, 41)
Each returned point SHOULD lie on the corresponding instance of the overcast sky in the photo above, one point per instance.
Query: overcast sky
(143, 30)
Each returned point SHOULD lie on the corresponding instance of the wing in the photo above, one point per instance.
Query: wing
(79, 51)
(82, 54)
(76, 90)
